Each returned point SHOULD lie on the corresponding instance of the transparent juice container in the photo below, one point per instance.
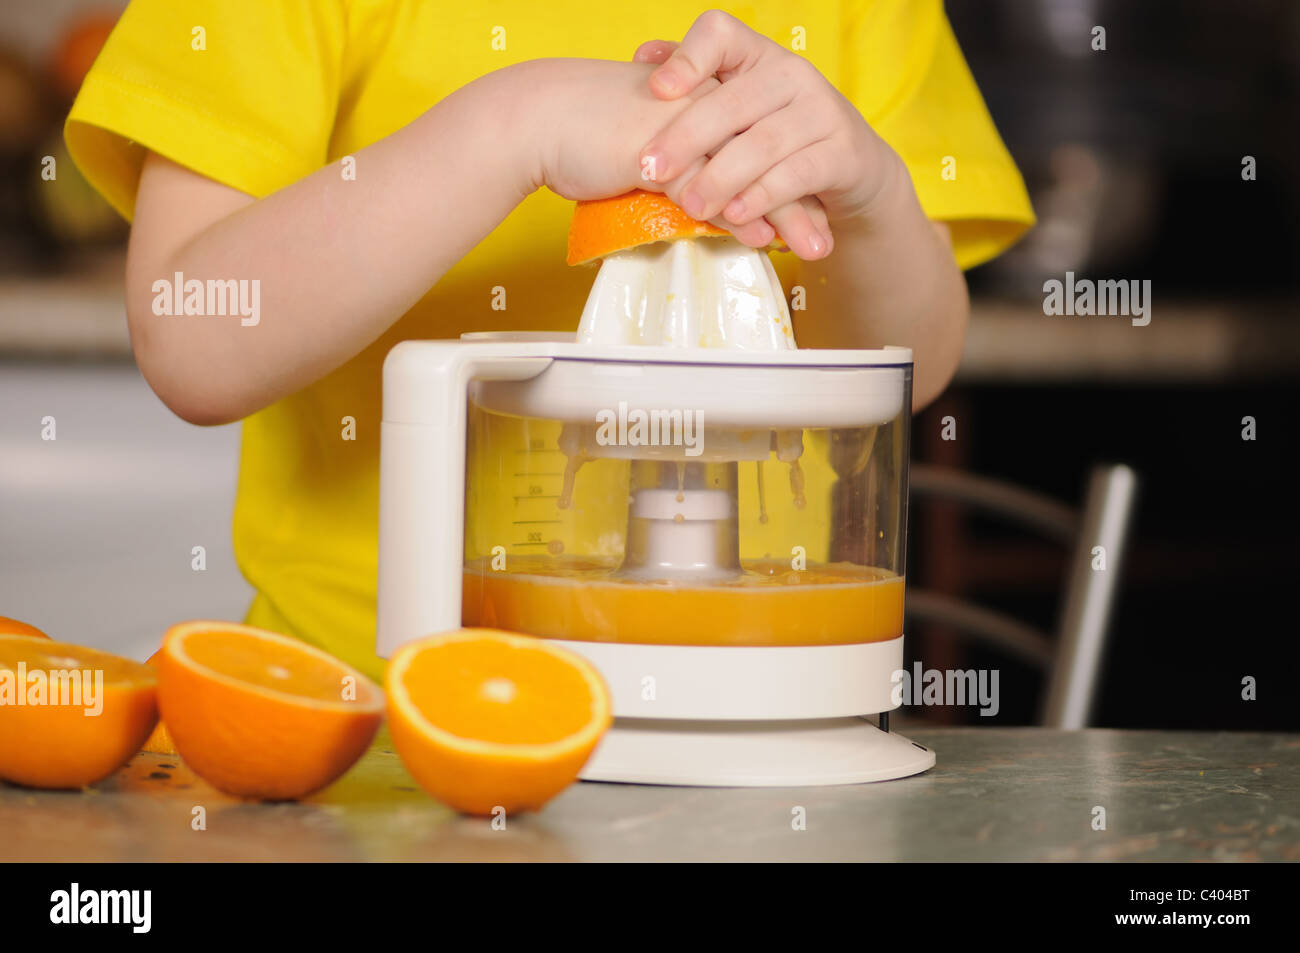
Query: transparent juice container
(780, 536)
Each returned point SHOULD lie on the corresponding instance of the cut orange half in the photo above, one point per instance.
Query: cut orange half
(69, 715)
(604, 226)
(485, 719)
(10, 626)
(262, 715)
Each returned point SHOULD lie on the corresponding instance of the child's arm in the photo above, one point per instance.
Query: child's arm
(892, 280)
(777, 141)
(339, 261)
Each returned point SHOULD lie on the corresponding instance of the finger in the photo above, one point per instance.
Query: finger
(651, 163)
(817, 212)
(653, 51)
(756, 234)
(744, 160)
(803, 226)
(715, 45)
(673, 187)
(820, 220)
(805, 172)
(705, 125)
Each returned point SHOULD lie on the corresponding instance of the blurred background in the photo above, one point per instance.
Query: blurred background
(98, 527)
(1133, 156)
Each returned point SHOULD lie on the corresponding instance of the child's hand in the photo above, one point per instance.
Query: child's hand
(774, 140)
(586, 122)
(588, 119)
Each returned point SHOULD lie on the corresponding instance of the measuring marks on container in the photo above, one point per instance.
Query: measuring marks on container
(538, 524)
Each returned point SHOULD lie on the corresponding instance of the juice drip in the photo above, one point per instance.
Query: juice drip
(788, 445)
(571, 465)
(797, 485)
(575, 455)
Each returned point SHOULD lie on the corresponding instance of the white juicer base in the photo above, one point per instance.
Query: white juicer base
(753, 754)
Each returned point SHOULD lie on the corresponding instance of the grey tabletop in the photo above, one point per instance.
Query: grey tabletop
(996, 794)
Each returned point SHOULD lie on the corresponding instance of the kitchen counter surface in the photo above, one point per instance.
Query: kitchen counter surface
(1004, 794)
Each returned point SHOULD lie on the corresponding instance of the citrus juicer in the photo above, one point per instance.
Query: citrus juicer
(713, 517)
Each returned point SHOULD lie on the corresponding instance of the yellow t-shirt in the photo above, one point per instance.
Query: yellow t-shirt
(257, 94)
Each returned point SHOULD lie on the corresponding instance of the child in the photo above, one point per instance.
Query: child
(374, 169)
